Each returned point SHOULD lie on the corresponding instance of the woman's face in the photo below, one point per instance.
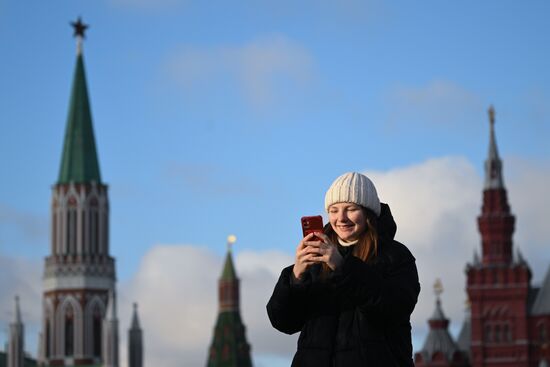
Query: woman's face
(348, 220)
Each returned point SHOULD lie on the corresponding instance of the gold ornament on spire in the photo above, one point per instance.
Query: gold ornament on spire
(231, 239)
(438, 287)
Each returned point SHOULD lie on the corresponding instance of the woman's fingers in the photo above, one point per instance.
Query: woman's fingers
(323, 237)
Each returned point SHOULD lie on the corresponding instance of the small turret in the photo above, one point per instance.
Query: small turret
(439, 348)
(135, 342)
(16, 346)
(110, 334)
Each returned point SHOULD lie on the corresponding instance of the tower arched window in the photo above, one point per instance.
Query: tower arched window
(96, 325)
(543, 337)
(71, 226)
(94, 227)
(54, 230)
(487, 333)
(69, 331)
(506, 333)
(47, 340)
(496, 336)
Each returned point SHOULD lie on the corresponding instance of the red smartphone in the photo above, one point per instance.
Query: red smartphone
(312, 224)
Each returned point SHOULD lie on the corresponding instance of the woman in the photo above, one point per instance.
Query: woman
(352, 289)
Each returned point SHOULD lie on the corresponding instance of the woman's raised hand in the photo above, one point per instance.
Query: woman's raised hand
(326, 252)
(304, 256)
(311, 252)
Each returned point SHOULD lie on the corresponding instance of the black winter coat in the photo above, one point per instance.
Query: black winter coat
(357, 316)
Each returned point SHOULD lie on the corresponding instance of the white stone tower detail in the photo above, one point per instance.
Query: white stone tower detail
(110, 334)
(16, 346)
(79, 271)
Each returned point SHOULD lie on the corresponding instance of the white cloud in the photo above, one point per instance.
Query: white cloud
(528, 192)
(23, 278)
(260, 71)
(435, 204)
(176, 288)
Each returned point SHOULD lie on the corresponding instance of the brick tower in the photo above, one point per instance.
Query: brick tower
(229, 347)
(79, 275)
(498, 285)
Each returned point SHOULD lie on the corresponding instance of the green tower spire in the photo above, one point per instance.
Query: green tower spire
(228, 272)
(79, 163)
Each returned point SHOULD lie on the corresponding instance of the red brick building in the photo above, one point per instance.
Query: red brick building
(509, 325)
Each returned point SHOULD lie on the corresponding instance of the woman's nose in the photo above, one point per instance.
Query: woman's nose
(342, 216)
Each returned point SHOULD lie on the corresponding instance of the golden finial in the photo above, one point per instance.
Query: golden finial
(438, 287)
(231, 239)
(492, 115)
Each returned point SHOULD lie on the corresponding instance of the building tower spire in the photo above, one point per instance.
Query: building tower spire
(497, 287)
(135, 341)
(79, 272)
(16, 348)
(79, 161)
(496, 223)
(493, 164)
(229, 347)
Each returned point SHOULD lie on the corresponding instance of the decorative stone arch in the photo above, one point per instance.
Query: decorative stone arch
(69, 303)
(488, 312)
(95, 304)
(71, 193)
(502, 312)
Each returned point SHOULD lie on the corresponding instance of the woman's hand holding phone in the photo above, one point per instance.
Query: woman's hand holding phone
(315, 248)
(304, 255)
(326, 252)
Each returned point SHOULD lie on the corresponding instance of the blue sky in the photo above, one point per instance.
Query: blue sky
(234, 117)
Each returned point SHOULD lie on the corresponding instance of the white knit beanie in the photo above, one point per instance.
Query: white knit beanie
(353, 187)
